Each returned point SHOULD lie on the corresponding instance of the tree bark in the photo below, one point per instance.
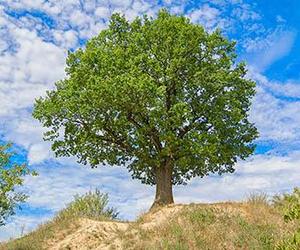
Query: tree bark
(164, 191)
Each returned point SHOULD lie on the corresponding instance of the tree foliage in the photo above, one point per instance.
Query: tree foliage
(11, 176)
(152, 91)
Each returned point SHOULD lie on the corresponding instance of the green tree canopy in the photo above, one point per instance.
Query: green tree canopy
(11, 177)
(161, 96)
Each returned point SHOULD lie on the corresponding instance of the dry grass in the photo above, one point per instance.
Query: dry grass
(250, 225)
(91, 205)
(216, 226)
(258, 198)
(46, 235)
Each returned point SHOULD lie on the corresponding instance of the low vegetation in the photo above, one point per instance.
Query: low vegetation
(216, 226)
(92, 205)
(289, 204)
(257, 223)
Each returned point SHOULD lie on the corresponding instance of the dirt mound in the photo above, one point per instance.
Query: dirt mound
(159, 216)
(228, 225)
(90, 234)
(101, 235)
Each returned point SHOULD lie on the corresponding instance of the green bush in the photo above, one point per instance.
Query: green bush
(92, 204)
(289, 204)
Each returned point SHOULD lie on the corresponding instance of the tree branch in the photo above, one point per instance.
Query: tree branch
(121, 142)
(154, 137)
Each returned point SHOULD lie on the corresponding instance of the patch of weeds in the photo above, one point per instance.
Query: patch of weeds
(258, 198)
(176, 244)
(254, 236)
(176, 230)
(201, 216)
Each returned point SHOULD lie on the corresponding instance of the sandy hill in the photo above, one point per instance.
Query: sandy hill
(196, 226)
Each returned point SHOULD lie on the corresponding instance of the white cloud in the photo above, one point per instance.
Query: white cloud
(261, 173)
(27, 73)
(265, 51)
(280, 19)
(38, 153)
(102, 12)
(276, 117)
(287, 89)
(66, 39)
(20, 226)
(245, 13)
(206, 15)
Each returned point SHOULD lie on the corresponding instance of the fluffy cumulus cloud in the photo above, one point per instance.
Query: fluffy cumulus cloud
(276, 109)
(268, 49)
(206, 14)
(267, 173)
(35, 36)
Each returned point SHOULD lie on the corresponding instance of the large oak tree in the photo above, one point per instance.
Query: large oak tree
(161, 96)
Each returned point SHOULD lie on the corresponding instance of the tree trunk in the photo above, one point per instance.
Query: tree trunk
(164, 192)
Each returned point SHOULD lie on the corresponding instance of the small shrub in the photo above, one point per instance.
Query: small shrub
(289, 204)
(258, 198)
(92, 205)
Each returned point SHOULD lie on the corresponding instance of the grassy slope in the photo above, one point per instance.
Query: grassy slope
(249, 225)
(217, 226)
(56, 229)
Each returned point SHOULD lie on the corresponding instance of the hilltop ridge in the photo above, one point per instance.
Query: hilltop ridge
(228, 225)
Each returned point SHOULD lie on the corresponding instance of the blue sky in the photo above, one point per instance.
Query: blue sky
(35, 36)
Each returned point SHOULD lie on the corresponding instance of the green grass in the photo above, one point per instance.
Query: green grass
(254, 236)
